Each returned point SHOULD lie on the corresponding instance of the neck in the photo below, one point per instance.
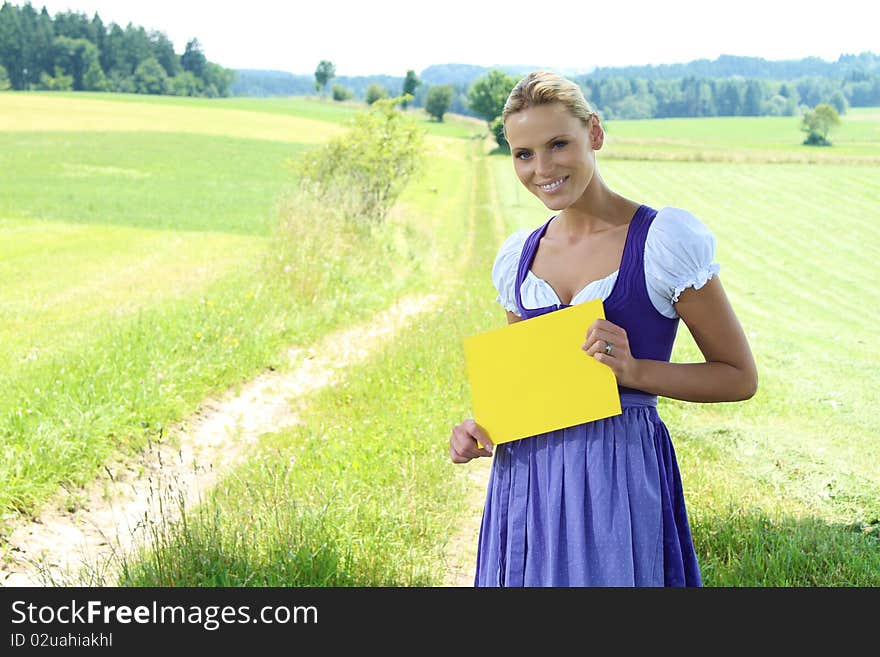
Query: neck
(599, 209)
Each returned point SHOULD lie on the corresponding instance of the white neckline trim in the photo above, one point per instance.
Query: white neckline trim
(581, 293)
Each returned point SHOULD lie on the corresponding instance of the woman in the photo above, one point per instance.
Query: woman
(601, 504)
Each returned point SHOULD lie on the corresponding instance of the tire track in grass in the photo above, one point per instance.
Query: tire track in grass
(80, 547)
(462, 551)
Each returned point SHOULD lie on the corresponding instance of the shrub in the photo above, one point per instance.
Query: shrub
(368, 166)
(438, 100)
(817, 123)
(375, 92)
(341, 93)
(497, 128)
(58, 82)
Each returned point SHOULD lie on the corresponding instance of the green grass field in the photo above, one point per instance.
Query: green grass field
(137, 278)
(763, 139)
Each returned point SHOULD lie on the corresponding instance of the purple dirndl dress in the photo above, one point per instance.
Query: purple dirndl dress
(601, 503)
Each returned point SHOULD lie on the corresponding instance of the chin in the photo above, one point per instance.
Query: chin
(557, 205)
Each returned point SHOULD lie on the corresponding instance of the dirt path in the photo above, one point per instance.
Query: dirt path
(462, 549)
(77, 548)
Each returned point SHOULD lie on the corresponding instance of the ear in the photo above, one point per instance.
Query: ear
(597, 133)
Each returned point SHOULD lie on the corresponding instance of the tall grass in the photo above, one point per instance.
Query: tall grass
(362, 493)
(144, 336)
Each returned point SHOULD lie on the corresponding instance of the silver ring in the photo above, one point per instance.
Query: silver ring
(608, 348)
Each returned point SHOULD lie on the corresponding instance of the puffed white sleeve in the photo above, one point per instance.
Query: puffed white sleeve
(679, 253)
(504, 270)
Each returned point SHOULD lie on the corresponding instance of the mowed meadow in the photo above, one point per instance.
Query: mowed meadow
(142, 271)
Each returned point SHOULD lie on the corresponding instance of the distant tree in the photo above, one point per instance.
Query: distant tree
(818, 122)
(193, 59)
(487, 95)
(730, 96)
(122, 84)
(777, 106)
(753, 104)
(341, 93)
(375, 92)
(838, 101)
(94, 78)
(76, 56)
(496, 127)
(163, 50)
(4, 79)
(187, 84)
(217, 80)
(57, 82)
(136, 47)
(410, 82)
(438, 100)
(325, 72)
(150, 77)
(486, 98)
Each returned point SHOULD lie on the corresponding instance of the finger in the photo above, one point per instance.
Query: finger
(600, 347)
(459, 454)
(472, 452)
(605, 359)
(602, 335)
(604, 325)
(611, 330)
(478, 434)
(602, 341)
(466, 446)
(453, 455)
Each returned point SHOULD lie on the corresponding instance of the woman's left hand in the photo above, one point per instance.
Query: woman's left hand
(607, 343)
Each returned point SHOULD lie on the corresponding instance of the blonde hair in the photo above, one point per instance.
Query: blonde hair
(543, 88)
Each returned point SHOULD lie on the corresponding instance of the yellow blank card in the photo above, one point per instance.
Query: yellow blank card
(532, 376)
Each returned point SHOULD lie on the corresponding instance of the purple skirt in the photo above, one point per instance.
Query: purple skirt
(599, 504)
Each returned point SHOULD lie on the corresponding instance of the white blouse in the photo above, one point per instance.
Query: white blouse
(679, 253)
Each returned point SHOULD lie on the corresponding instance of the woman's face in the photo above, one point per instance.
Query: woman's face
(553, 152)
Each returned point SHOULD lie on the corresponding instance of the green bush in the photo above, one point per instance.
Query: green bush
(341, 93)
(817, 123)
(438, 100)
(497, 128)
(375, 92)
(365, 169)
(58, 82)
(150, 77)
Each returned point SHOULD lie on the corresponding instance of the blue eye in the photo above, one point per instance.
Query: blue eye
(523, 155)
(560, 144)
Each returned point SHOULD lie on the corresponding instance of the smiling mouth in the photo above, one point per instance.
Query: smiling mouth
(553, 185)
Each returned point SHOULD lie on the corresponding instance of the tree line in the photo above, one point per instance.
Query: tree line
(853, 83)
(72, 52)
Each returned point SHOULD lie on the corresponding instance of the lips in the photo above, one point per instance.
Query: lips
(552, 185)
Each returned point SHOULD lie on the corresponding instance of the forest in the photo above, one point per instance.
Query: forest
(72, 52)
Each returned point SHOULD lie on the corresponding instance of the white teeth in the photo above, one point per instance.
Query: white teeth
(551, 186)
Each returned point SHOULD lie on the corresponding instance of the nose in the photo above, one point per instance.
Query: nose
(543, 164)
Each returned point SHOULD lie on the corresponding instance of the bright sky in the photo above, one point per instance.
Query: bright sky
(363, 37)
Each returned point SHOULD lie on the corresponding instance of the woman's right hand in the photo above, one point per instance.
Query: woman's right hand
(465, 441)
